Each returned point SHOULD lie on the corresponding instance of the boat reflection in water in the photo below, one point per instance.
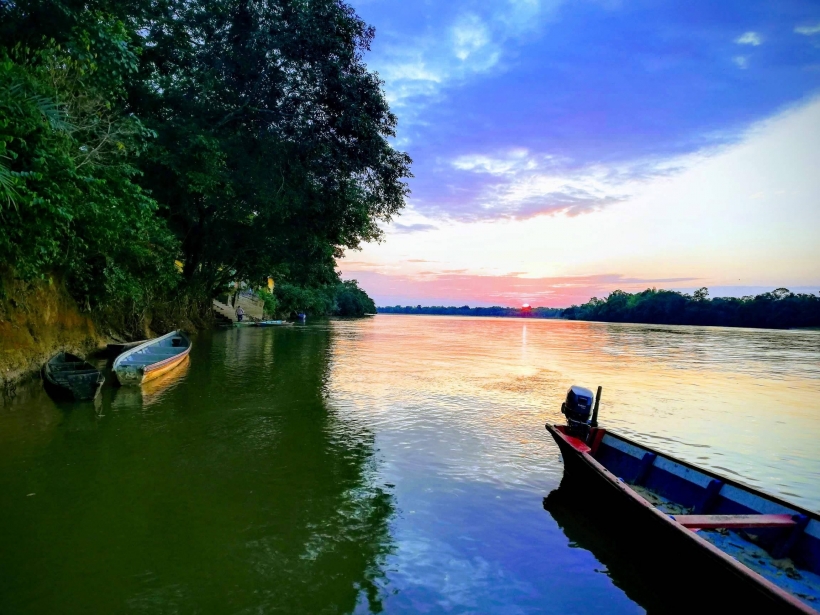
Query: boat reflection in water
(654, 583)
(152, 391)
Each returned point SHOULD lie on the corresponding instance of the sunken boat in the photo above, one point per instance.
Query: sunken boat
(152, 359)
(68, 377)
(740, 548)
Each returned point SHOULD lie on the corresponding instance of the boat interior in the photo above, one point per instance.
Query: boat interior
(779, 541)
(156, 352)
(70, 366)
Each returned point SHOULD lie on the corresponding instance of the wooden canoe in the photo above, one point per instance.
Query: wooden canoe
(752, 551)
(273, 323)
(72, 378)
(151, 359)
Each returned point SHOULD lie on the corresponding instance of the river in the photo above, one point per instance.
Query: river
(389, 464)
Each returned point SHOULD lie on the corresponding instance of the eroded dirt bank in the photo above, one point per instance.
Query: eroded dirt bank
(38, 319)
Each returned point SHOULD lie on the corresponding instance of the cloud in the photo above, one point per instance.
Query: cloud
(808, 30)
(413, 228)
(470, 35)
(450, 50)
(509, 108)
(749, 38)
(514, 161)
(519, 184)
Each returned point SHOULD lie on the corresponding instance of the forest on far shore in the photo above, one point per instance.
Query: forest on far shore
(778, 309)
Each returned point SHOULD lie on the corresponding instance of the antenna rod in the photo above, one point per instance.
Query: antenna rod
(594, 422)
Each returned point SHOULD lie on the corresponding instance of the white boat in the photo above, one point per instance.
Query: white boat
(152, 359)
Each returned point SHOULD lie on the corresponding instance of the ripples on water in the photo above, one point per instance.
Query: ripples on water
(396, 463)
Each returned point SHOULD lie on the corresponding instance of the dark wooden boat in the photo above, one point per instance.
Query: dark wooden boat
(152, 358)
(69, 377)
(743, 549)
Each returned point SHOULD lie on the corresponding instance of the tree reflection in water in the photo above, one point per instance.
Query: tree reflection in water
(238, 490)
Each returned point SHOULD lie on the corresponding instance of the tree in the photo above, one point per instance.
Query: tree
(701, 294)
(350, 300)
(251, 129)
(272, 154)
(69, 205)
(777, 309)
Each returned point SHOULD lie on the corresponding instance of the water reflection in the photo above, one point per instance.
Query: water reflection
(239, 491)
(649, 581)
(739, 401)
(396, 463)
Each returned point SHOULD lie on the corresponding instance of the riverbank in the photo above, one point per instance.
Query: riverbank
(39, 318)
(36, 320)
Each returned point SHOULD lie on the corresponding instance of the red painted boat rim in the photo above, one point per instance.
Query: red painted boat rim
(619, 484)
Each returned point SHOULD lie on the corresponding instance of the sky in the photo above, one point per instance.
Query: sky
(562, 150)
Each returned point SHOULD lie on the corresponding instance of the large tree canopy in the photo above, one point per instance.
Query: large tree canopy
(272, 151)
(252, 130)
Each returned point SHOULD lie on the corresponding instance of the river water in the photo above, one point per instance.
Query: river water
(391, 464)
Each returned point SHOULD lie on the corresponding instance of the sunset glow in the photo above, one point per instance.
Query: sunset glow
(549, 169)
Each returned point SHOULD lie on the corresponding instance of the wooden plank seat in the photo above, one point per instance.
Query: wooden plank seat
(156, 354)
(70, 367)
(707, 522)
(77, 372)
(150, 357)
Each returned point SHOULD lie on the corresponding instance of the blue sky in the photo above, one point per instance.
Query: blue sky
(516, 111)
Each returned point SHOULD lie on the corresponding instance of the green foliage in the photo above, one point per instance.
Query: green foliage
(344, 299)
(350, 300)
(777, 309)
(69, 204)
(272, 154)
(314, 301)
(271, 305)
(247, 139)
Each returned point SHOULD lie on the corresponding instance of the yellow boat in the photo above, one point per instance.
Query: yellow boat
(152, 359)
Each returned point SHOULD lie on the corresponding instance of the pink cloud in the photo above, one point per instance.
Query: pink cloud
(441, 288)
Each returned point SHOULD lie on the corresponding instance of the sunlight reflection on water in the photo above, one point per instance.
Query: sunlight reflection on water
(740, 401)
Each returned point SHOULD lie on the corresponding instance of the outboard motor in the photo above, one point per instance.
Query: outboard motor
(578, 408)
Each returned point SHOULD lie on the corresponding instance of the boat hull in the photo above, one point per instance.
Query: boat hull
(68, 385)
(135, 375)
(158, 369)
(724, 583)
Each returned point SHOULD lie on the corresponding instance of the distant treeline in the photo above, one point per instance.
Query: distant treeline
(779, 309)
(466, 310)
